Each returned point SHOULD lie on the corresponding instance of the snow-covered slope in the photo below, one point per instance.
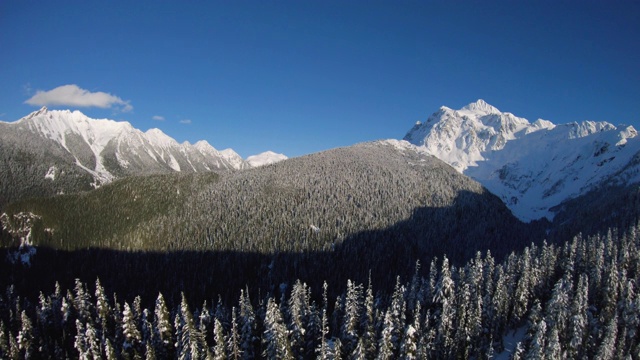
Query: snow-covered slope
(531, 166)
(234, 159)
(265, 158)
(108, 149)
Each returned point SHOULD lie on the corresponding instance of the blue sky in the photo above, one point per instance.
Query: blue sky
(298, 77)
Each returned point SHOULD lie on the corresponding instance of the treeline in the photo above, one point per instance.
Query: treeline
(578, 300)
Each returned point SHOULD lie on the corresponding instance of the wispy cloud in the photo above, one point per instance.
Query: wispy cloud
(158, 118)
(72, 95)
(185, 121)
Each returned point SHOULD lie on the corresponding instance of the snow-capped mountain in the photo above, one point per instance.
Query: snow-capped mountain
(531, 166)
(108, 149)
(265, 158)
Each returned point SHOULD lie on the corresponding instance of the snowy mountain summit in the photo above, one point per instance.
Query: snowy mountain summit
(531, 166)
(108, 149)
(265, 158)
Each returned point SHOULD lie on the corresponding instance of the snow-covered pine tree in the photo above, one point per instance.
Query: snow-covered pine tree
(247, 323)
(233, 341)
(578, 322)
(132, 335)
(25, 339)
(352, 314)
(298, 310)
(103, 310)
(189, 341)
(162, 328)
(220, 346)
(409, 349)
(275, 339)
(538, 343)
(444, 299)
(607, 349)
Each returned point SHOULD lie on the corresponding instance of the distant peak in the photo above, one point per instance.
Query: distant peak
(481, 106)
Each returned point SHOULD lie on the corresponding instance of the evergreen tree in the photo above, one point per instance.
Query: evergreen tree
(82, 302)
(445, 314)
(103, 310)
(275, 338)
(92, 341)
(578, 322)
(538, 343)
(219, 349)
(351, 321)
(81, 341)
(410, 341)
(607, 348)
(233, 342)
(162, 328)
(132, 335)
(299, 313)
(25, 340)
(247, 323)
(189, 341)
(553, 348)
(323, 349)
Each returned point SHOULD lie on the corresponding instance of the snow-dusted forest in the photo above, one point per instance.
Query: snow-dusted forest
(574, 301)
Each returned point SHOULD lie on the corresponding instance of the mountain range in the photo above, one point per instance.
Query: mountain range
(532, 166)
(62, 151)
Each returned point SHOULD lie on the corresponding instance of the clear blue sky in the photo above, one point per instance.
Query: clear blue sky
(303, 76)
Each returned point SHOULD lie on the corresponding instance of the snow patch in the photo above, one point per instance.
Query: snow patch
(173, 163)
(51, 173)
(510, 342)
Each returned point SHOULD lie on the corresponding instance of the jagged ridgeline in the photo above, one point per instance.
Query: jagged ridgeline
(342, 212)
(63, 152)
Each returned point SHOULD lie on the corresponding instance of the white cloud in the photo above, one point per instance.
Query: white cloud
(158, 118)
(185, 121)
(72, 95)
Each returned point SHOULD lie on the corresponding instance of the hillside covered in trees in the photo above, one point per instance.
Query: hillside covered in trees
(339, 214)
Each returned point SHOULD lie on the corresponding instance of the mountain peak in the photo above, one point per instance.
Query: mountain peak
(43, 110)
(531, 166)
(481, 106)
(265, 158)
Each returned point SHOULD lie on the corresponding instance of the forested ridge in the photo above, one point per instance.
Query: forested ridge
(311, 203)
